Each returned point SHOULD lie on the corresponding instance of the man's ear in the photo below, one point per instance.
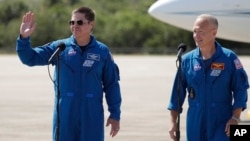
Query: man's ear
(92, 24)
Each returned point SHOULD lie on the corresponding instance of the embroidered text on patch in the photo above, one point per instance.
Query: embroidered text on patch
(88, 63)
(92, 56)
(215, 73)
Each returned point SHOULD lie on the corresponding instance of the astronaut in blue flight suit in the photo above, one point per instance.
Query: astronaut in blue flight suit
(87, 70)
(216, 85)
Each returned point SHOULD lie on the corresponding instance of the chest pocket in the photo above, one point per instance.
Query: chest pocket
(88, 64)
(91, 62)
(92, 66)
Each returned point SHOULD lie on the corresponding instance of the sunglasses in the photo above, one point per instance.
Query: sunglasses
(79, 22)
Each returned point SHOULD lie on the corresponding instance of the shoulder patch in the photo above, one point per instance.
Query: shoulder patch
(237, 64)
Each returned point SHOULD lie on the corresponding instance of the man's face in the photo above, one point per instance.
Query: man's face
(80, 26)
(203, 33)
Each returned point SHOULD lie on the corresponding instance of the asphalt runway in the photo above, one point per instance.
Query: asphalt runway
(26, 99)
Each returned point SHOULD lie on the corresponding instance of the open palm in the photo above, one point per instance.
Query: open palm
(28, 25)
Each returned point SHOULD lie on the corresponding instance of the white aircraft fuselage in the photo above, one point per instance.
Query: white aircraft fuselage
(233, 15)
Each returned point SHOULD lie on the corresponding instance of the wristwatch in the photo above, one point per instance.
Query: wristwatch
(236, 119)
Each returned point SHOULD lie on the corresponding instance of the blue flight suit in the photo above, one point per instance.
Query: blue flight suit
(215, 88)
(84, 76)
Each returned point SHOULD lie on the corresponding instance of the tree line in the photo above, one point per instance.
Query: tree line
(125, 26)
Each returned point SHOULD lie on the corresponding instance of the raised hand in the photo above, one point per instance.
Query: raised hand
(28, 25)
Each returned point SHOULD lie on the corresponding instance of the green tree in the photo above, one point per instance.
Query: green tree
(11, 10)
(52, 24)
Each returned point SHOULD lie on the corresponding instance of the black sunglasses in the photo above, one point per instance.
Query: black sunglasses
(79, 22)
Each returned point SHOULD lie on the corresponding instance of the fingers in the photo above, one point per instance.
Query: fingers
(172, 131)
(28, 25)
(172, 135)
(230, 122)
(227, 130)
(114, 132)
(28, 17)
(115, 126)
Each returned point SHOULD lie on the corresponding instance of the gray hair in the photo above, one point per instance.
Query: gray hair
(210, 19)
